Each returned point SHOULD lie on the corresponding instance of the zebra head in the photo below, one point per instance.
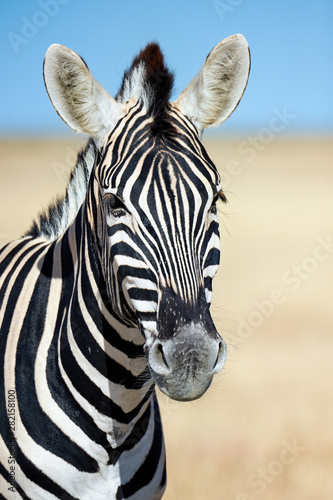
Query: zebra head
(155, 190)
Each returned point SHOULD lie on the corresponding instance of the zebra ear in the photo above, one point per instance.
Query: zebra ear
(216, 90)
(76, 96)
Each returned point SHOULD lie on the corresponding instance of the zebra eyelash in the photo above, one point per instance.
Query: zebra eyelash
(114, 205)
(219, 196)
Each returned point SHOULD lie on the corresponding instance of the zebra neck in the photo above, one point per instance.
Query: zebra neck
(108, 375)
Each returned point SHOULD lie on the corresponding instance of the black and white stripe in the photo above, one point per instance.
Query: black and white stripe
(108, 294)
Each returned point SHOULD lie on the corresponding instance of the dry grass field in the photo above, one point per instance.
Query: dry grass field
(264, 430)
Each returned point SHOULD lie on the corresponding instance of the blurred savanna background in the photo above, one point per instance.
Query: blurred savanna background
(264, 430)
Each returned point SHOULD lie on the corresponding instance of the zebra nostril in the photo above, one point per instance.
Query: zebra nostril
(157, 359)
(218, 354)
(159, 348)
(221, 357)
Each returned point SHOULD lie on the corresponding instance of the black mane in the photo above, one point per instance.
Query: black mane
(53, 221)
(157, 85)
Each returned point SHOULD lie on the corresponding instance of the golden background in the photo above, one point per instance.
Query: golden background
(264, 430)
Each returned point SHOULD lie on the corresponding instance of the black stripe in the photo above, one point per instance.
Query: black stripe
(58, 389)
(38, 425)
(146, 472)
(213, 257)
(40, 478)
(208, 283)
(95, 355)
(111, 335)
(143, 294)
(92, 393)
(8, 314)
(132, 440)
(7, 263)
(122, 248)
(212, 229)
(5, 474)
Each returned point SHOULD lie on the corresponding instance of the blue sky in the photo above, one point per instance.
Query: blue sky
(291, 44)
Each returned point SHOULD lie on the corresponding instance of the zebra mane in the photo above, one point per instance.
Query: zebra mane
(149, 79)
(55, 219)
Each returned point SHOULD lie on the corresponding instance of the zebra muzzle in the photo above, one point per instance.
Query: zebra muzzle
(183, 366)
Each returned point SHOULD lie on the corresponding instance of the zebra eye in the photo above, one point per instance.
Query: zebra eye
(114, 205)
(213, 208)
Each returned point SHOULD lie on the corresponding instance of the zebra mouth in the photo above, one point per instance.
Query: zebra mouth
(184, 391)
(183, 367)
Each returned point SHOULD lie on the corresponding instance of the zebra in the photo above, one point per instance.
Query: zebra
(108, 293)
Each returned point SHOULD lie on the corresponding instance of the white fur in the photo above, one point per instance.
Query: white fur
(77, 189)
(216, 90)
(76, 96)
(135, 87)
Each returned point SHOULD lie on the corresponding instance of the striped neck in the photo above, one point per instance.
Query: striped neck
(101, 357)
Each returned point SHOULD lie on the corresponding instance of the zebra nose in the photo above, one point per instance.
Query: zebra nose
(183, 366)
(163, 355)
